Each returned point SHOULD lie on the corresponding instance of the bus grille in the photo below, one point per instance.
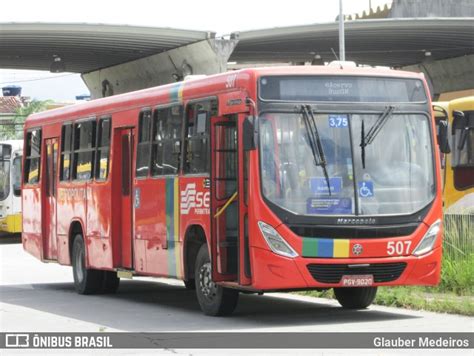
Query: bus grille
(332, 273)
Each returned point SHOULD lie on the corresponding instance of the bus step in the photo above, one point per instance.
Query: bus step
(124, 273)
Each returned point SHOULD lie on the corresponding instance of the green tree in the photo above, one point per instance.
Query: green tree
(15, 131)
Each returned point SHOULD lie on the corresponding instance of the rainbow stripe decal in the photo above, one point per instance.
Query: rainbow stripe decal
(176, 93)
(328, 248)
(172, 227)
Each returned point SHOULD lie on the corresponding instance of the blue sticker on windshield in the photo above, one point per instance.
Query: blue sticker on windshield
(319, 185)
(337, 121)
(329, 206)
(366, 189)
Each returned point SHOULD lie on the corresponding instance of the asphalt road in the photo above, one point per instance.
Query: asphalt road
(40, 297)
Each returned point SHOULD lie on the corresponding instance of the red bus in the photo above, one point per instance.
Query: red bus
(257, 180)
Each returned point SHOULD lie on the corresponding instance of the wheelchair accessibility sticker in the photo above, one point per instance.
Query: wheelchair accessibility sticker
(366, 189)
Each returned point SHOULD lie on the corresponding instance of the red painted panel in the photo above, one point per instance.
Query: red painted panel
(100, 253)
(150, 223)
(63, 250)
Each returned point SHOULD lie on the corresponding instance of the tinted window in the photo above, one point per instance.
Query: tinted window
(103, 149)
(198, 116)
(84, 150)
(33, 157)
(166, 145)
(66, 151)
(144, 143)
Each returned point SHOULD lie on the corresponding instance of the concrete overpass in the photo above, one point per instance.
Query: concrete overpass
(116, 59)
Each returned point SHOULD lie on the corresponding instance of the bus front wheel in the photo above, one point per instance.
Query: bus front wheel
(213, 299)
(86, 281)
(355, 298)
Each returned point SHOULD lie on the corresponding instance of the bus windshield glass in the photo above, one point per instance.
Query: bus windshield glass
(394, 174)
(4, 179)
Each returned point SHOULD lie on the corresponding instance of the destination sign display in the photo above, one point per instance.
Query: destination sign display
(341, 89)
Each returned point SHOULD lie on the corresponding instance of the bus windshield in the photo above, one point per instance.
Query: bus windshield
(4, 179)
(392, 174)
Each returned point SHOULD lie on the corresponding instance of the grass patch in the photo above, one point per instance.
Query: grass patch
(457, 276)
(415, 298)
(421, 298)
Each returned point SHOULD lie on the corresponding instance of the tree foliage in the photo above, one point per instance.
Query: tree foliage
(14, 129)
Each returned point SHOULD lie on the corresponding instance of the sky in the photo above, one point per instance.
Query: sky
(222, 17)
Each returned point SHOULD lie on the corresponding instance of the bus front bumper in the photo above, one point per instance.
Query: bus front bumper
(274, 272)
(10, 224)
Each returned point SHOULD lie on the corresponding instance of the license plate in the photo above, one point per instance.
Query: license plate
(357, 281)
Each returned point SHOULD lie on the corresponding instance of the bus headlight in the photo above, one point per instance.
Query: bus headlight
(276, 243)
(427, 242)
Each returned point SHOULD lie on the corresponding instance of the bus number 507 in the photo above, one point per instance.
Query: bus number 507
(398, 247)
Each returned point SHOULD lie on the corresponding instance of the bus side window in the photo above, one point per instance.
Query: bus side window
(144, 141)
(166, 145)
(84, 150)
(462, 161)
(66, 152)
(197, 136)
(33, 157)
(103, 149)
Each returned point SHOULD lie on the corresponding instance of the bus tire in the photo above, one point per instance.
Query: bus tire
(213, 299)
(86, 281)
(110, 283)
(190, 284)
(355, 298)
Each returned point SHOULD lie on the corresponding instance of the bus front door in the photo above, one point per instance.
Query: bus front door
(224, 202)
(50, 246)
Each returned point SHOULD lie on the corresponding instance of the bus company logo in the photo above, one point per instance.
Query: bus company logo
(356, 221)
(192, 199)
(357, 249)
(17, 340)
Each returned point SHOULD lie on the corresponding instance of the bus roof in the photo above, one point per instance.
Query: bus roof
(192, 88)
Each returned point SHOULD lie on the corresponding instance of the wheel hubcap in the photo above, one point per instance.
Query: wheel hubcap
(206, 284)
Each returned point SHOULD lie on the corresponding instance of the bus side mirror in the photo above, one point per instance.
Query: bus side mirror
(443, 137)
(249, 134)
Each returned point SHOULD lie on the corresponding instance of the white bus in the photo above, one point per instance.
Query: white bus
(10, 186)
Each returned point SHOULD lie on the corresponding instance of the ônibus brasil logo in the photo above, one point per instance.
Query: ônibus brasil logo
(192, 199)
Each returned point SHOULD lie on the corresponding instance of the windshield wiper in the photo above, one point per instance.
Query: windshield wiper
(315, 141)
(367, 139)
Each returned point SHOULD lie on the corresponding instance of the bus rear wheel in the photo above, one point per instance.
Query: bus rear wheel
(213, 299)
(86, 281)
(355, 298)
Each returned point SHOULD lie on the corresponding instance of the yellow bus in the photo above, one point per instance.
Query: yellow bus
(458, 165)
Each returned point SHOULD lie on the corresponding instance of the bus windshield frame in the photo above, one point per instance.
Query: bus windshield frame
(368, 112)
